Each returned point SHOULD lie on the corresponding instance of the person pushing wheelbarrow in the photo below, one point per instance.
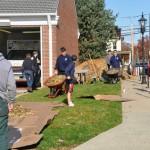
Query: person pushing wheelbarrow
(115, 64)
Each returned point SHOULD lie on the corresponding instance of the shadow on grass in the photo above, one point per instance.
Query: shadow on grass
(87, 97)
(65, 101)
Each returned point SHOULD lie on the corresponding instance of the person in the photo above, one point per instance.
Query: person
(108, 57)
(7, 98)
(69, 72)
(36, 70)
(115, 61)
(147, 70)
(62, 62)
(28, 71)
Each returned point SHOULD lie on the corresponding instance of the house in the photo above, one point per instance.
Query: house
(43, 25)
(115, 42)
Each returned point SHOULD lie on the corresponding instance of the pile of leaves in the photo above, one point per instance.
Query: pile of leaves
(113, 71)
(54, 80)
(20, 111)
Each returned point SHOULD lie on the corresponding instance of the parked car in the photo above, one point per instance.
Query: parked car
(138, 66)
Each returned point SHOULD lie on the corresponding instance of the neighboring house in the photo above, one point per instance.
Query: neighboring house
(115, 42)
(52, 22)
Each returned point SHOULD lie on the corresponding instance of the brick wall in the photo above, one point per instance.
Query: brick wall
(45, 52)
(66, 33)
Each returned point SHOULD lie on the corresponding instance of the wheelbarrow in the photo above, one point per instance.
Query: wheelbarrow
(55, 83)
(113, 75)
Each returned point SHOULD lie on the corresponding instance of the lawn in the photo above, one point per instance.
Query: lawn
(75, 125)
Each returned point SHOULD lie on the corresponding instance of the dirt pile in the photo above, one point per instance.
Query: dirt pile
(95, 67)
(125, 75)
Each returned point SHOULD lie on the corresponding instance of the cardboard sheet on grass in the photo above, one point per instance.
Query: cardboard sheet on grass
(25, 130)
(113, 98)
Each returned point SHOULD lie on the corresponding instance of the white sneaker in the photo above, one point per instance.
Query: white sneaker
(71, 104)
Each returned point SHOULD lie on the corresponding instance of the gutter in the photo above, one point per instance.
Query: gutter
(27, 14)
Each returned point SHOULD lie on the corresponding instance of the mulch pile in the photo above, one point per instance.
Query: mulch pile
(20, 111)
(95, 67)
(54, 80)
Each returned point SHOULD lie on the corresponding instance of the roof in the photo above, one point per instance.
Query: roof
(28, 6)
(123, 52)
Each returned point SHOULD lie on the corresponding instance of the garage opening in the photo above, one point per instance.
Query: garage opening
(15, 42)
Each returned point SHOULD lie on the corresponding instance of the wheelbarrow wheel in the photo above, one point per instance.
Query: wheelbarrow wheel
(114, 80)
(52, 91)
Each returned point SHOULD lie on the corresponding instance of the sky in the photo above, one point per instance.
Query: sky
(129, 12)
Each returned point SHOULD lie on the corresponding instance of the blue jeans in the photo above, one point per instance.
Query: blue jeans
(3, 124)
(29, 77)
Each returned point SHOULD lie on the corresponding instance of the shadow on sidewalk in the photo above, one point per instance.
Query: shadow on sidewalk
(143, 95)
(142, 90)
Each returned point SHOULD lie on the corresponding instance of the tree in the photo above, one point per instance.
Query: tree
(139, 47)
(125, 46)
(96, 26)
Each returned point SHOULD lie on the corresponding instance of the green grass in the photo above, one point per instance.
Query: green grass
(75, 125)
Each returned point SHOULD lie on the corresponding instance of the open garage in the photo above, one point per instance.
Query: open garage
(13, 38)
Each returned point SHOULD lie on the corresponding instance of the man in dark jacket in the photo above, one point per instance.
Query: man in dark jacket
(115, 61)
(36, 70)
(28, 71)
(62, 61)
(7, 98)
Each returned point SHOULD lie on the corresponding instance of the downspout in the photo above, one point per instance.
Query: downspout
(41, 56)
(50, 45)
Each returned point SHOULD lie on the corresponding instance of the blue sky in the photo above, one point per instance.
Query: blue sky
(129, 13)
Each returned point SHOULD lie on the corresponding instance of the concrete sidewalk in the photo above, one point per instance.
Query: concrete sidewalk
(134, 132)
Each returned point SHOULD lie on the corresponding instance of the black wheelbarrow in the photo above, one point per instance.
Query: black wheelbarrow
(113, 75)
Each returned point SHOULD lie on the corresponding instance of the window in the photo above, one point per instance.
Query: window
(18, 54)
(114, 45)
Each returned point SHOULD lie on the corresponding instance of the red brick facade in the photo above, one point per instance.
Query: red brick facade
(65, 34)
(67, 29)
(45, 52)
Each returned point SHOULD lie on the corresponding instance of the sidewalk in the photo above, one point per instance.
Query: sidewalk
(134, 132)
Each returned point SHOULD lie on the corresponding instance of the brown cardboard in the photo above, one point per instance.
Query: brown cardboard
(26, 141)
(25, 131)
(113, 98)
(108, 97)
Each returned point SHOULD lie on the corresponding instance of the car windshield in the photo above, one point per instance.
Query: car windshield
(18, 54)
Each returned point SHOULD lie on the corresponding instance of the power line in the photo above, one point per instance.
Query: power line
(127, 26)
(134, 29)
(132, 16)
(127, 34)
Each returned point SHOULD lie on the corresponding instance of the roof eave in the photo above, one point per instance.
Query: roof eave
(26, 14)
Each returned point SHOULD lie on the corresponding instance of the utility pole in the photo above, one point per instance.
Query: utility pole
(132, 45)
(148, 56)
